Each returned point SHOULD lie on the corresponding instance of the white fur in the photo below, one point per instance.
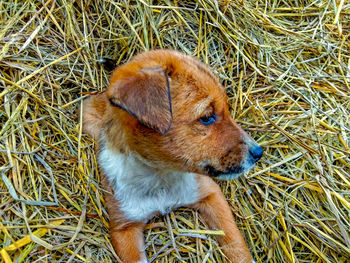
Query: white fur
(142, 192)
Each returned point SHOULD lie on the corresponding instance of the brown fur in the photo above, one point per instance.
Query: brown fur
(169, 135)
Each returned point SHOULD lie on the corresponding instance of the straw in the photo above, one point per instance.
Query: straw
(286, 68)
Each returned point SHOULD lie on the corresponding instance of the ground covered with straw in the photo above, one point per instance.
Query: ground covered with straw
(286, 67)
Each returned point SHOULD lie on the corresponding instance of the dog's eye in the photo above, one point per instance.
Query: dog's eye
(206, 120)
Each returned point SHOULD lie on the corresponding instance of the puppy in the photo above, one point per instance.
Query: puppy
(164, 129)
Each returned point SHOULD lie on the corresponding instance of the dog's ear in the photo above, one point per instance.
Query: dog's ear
(145, 94)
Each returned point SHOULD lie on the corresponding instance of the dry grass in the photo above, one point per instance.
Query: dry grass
(286, 66)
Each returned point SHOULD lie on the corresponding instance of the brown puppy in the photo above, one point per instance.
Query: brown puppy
(163, 128)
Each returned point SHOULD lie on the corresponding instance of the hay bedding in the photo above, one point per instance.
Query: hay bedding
(286, 66)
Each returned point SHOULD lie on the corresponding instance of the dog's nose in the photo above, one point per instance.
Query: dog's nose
(256, 152)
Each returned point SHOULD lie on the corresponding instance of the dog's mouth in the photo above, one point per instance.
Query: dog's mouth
(235, 170)
(230, 173)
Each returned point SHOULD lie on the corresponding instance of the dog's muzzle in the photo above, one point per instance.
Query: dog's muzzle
(254, 154)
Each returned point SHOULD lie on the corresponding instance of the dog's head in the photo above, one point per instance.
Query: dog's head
(174, 115)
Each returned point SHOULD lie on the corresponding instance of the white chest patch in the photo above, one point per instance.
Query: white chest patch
(140, 191)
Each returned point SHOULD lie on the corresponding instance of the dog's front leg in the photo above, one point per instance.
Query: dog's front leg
(128, 242)
(127, 237)
(217, 214)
